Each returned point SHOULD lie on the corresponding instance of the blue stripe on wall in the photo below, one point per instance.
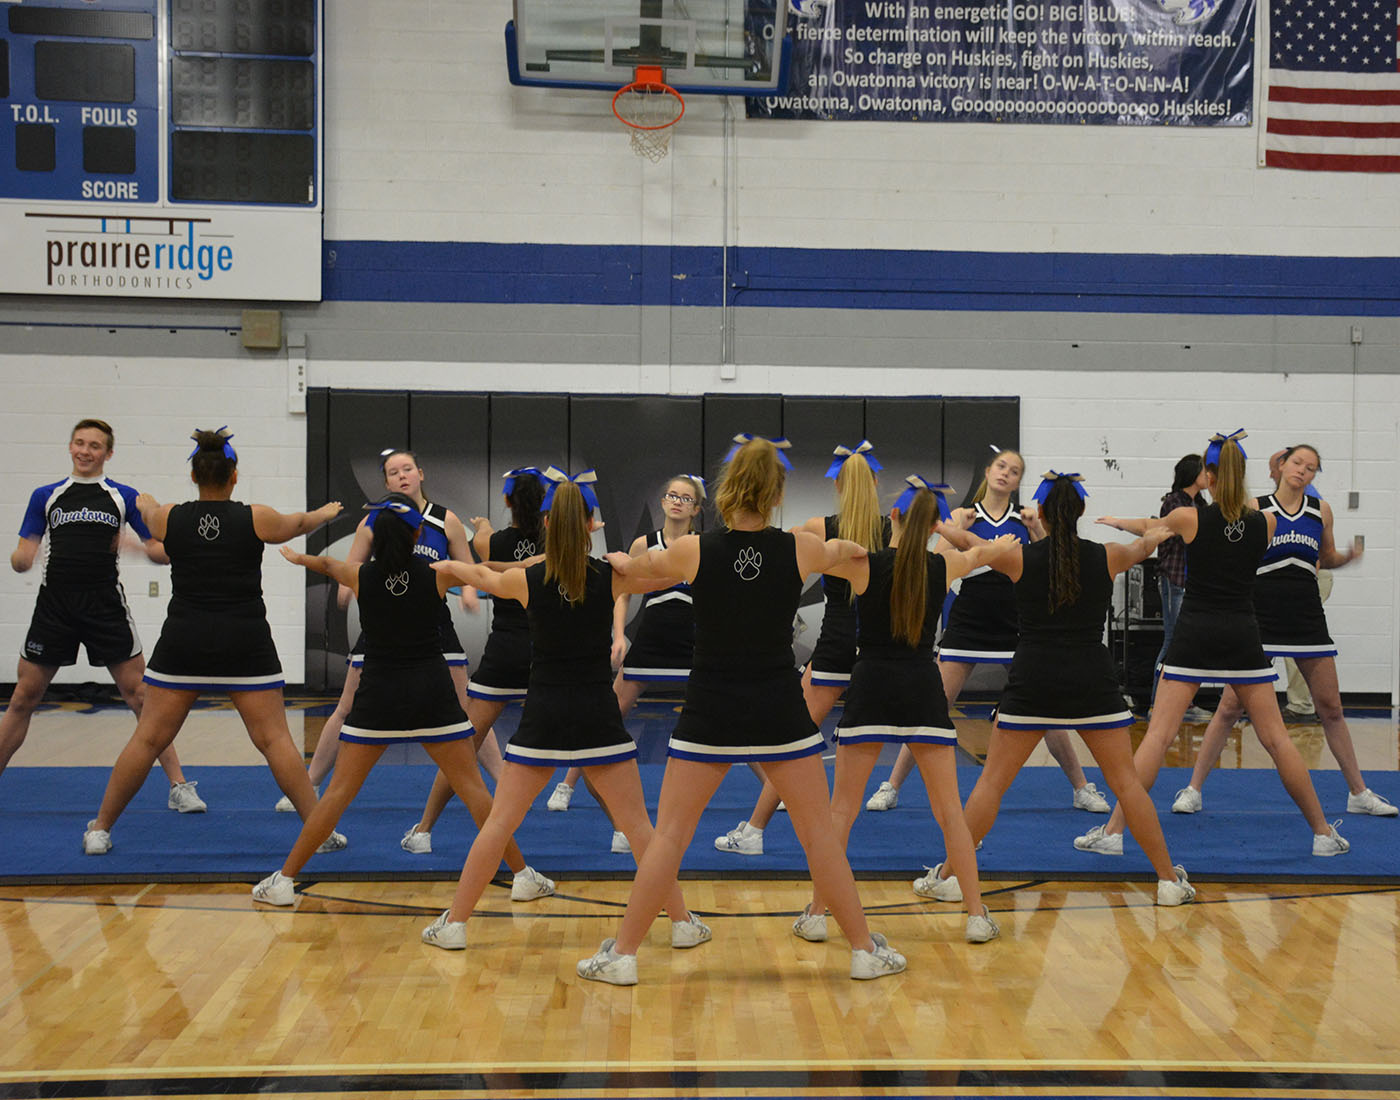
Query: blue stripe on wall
(793, 278)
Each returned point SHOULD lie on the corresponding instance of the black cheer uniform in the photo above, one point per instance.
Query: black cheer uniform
(896, 693)
(1287, 603)
(1217, 637)
(835, 651)
(1062, 676)
(504, 671)
(406, 691)
(665, 643)
(80, 600)
(215, 635)
(571, 716)
(744, 699)
(982, 624)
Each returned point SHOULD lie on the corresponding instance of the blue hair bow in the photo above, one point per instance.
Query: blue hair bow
(406, 512)
(585, 481)
(1217, 441)
(938, 489)
(747, 437)
(510, 478)
(228, 447)
(1047, 482)
(843, 452)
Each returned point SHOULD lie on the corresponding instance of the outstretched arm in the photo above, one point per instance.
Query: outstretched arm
(343, 572)
(1179, 521)
(509, 584)
(273, 526)
(678, 562)
(1002, 553)
(817, 556)
(1124, 555)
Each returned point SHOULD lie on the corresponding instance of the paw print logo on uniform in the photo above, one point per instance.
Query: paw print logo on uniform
(397, 583)
(209, 527)
(748, 564)
(1235, 531)
(524, 549)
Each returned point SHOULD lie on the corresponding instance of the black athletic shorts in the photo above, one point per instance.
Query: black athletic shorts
(98, 618)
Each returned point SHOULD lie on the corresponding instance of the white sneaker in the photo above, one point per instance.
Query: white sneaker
(528, 884)
(450, 935)
(96, 842)
(1196, 716)
(1175, 893)
(284, 804)
(810, 927)
(743, 840)
(1369, 802)
(1088, 798)
(336, 842)
(620, 845)
(886, 797)
(560, 798)
(1096, 840)
(780, 808)
(1188, 801)
(981, 928)
(691, 932)
(276, 889)
(182, 799)
(1330, 843)
(608, 966)
(883, 961)
(420, 844)
(940, 889)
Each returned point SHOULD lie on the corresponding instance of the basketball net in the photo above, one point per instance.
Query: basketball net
(649, 108)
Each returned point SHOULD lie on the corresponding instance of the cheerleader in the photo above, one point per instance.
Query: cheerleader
(665, 639)
(571, 714)
(1292, 624)
(504, 671)
(982, 624)
(828, 673)
(743, 702)
(442, 535)
(406, 693)
(1217, 639)
(215, 636)
(1062, 676)
(896, 694)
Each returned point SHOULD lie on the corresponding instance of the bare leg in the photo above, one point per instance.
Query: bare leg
(954, 674)
(620, 786)
(482, 713)
(355, 762)
(820, 698)
(488, 751)
(161, 717)
(264, 714)
(517, 788)
(1007, 753)
(471, 789)
(328, 745)
(31, 681)
(685, 791)
(854, 763)
(1113, 751)
(1173, 697)
(938, 765)
(1217, 733)
(127, 676)
(1320, 673)
(1062, 749)
(1261, 705)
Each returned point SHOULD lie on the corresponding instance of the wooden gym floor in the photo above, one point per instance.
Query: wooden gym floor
(186, 989)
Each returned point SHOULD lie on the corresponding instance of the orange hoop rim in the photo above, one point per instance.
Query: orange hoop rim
(649, 78)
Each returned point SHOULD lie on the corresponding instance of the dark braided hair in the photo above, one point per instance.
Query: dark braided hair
(1060, 513)
(526, 496)
(392, 546)
(212, 468)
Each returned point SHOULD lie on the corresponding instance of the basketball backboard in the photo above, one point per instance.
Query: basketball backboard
(716, 47)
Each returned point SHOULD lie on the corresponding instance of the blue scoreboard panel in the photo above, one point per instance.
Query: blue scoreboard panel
(161, 148)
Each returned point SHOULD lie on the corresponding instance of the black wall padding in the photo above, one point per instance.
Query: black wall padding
(527, 429)
(970, 424)
(635, 444)
(814, 426)
(908, 437)
(726, 416)
(449, 432)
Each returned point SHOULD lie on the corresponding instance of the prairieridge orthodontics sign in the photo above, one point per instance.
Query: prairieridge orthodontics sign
(210, 253)
(1104, 62)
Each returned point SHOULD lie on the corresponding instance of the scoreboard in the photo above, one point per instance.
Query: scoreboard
(161, 148)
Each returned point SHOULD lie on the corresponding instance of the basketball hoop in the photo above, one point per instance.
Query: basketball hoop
(649, 107)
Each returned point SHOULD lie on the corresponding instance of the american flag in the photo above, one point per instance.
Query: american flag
(1333, 100)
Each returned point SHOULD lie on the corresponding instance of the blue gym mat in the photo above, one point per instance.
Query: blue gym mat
(1249, 830)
